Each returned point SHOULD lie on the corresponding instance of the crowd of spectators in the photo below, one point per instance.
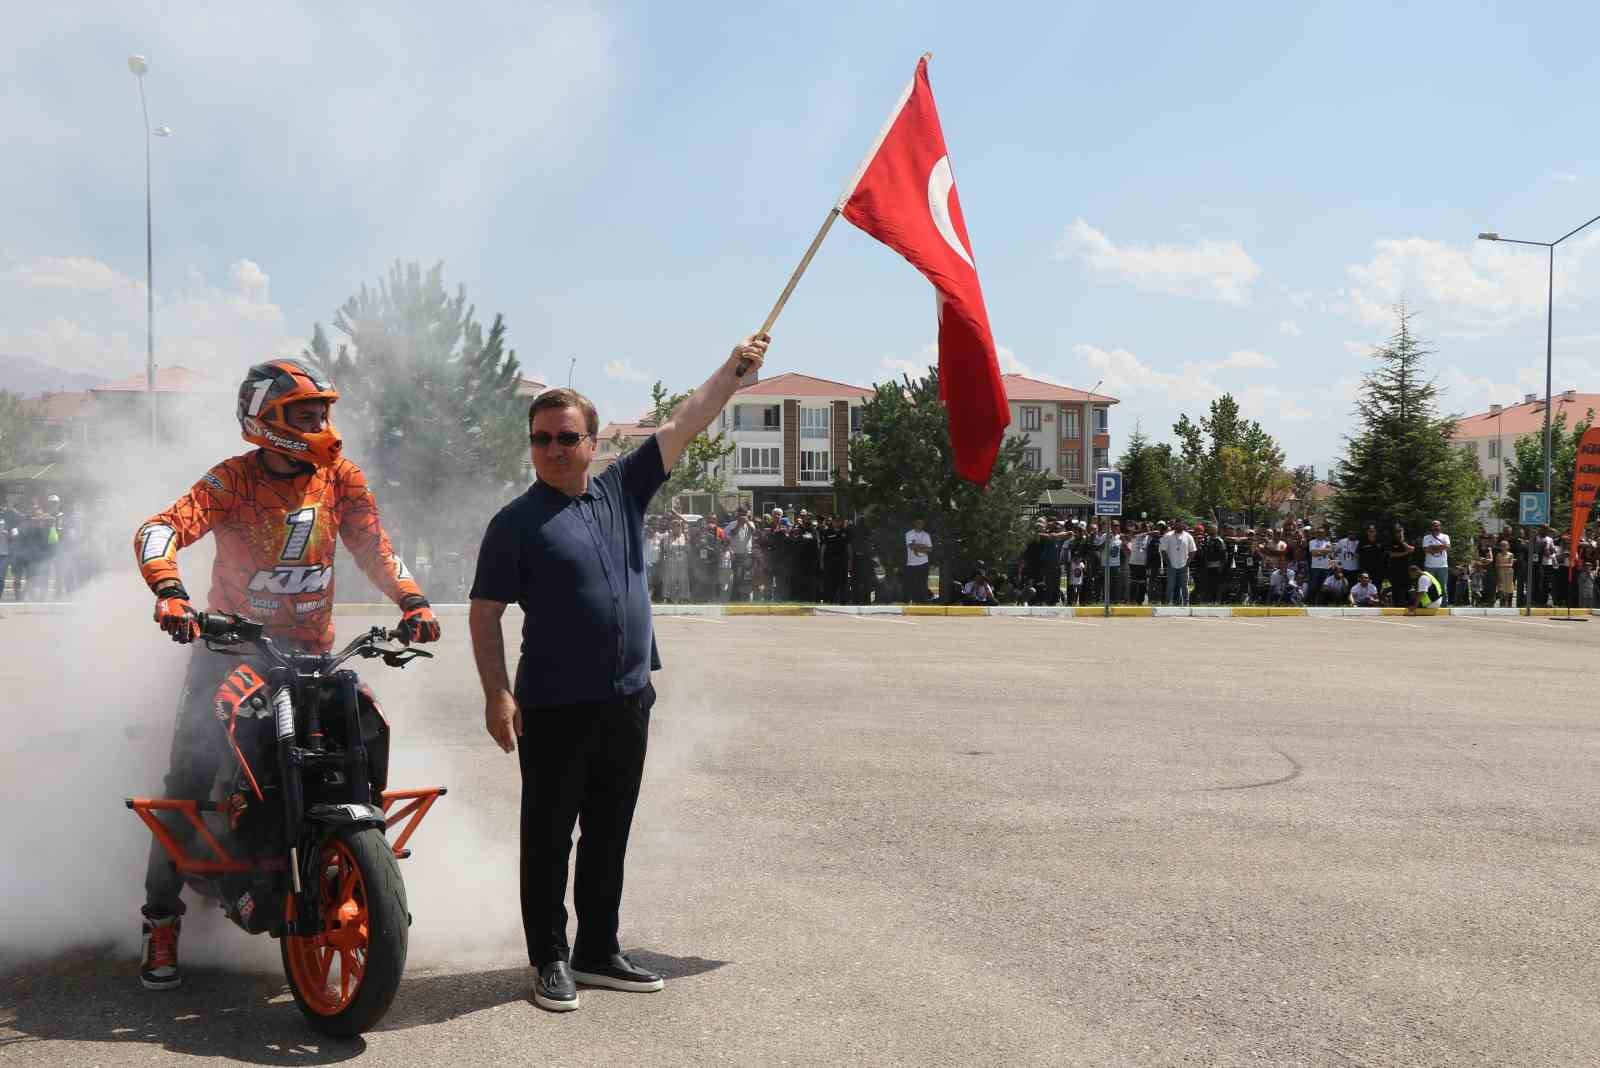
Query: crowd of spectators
(828, 559)
(772, 557)
(1295, 563)
(46, 551)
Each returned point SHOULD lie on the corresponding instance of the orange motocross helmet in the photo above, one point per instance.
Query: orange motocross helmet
(267, 390)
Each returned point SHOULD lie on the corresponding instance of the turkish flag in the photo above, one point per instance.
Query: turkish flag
(905, 196)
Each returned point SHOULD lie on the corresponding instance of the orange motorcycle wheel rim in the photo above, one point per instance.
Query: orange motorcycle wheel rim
(327, 968)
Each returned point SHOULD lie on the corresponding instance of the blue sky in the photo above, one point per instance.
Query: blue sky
(1176, 200)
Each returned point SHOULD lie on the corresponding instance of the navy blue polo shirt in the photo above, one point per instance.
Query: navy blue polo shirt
(576, 567)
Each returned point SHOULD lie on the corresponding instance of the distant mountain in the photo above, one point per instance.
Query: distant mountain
(30, 377)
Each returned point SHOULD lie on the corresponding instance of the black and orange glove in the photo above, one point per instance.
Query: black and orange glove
(418, 621)
(175, 615)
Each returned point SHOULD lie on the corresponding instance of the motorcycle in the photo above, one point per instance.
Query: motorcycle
(294, 832)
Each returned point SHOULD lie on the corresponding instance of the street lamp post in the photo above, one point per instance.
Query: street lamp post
(1549, 327)
(140, 66)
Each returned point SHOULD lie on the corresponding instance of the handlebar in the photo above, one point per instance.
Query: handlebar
(224, 629)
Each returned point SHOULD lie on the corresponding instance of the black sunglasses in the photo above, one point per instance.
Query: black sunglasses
(567, 439)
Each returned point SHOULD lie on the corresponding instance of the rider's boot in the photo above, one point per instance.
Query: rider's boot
(158, 969)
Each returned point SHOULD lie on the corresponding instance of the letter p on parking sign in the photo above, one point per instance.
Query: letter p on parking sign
(1108, 493)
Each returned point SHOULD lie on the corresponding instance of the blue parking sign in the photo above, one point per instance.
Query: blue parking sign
(1533, 510)
(1108, 493)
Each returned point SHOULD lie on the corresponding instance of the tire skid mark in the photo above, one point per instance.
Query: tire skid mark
(1295, 770)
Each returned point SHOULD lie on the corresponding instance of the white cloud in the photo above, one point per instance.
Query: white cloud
(1568, 177)
(78, 274)
(416, 140)
(1009, 364)
(1220, 269)
(894, 367)
(1358, 348)
(1471, 287)
(1290, 327)
(1157, 397)
(251, 280)
(625, 371)
(1245, 360)
(80, 314)
(888, 367)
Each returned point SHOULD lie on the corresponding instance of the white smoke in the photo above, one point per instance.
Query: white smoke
(89, 701)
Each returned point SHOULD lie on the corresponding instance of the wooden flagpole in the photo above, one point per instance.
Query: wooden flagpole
(833, 213)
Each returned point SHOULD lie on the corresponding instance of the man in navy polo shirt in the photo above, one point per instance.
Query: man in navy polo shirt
(571, 553)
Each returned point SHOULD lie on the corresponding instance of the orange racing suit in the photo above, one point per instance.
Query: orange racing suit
(276, 537)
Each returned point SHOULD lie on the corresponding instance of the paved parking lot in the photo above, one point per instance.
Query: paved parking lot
(912, 840)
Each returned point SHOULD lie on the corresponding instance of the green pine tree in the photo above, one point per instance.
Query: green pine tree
(1401, 466)
(1147, 490)
(429, 407)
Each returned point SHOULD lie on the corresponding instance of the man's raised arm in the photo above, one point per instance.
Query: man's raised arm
(702, 406)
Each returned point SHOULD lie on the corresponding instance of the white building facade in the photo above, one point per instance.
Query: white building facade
(790, 434)
(1068, 431)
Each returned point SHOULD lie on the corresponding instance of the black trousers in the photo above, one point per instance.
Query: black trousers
(580, 764)
(916, 583)
(199, 747)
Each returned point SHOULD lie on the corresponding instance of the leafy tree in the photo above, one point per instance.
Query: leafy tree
(900, 470)
(696, 470)
(1302, 490)
(428, 399)
(21, 429)
(1401, 466)
(1147, 479)
(1525, 470)
(1226, 462)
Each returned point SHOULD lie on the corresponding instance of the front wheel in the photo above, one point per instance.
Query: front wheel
(345, 978)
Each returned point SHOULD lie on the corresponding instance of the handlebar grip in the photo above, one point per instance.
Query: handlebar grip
(216, 624)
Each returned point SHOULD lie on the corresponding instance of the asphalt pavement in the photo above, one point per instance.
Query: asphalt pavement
(918, 840)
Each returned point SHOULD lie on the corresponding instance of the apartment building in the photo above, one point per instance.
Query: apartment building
(1492, 436)
(1068, 430)
(790, 434)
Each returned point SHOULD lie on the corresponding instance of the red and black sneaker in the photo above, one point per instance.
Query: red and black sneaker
(158, 967)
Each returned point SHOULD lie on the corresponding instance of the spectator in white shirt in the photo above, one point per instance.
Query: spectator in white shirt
(919, 544)
(1346, 552)
(978, 590)
(1544, 579)
(1176, 547)
(1138, 554)
(1335, 589)
(1436, 555)
(1319, 563)
(1364, 594)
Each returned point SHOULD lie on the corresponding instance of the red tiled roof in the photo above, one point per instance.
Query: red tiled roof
(1023, 388)
(168, 380)
(627, 430)
(62, 407)
(1515, 420)
(793, 384)
(528, 387)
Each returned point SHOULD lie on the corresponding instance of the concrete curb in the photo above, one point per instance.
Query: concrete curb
(1160, 611)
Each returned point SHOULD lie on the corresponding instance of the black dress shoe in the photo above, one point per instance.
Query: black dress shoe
(554, 988)
(616, 972)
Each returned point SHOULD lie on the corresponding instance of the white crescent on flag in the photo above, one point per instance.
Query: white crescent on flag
(940, 182)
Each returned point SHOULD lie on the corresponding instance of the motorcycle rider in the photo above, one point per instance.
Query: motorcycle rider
(276, 514)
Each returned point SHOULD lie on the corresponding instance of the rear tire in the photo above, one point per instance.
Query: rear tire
(346, 978)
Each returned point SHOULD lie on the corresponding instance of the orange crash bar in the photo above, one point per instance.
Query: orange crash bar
(409, 815)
